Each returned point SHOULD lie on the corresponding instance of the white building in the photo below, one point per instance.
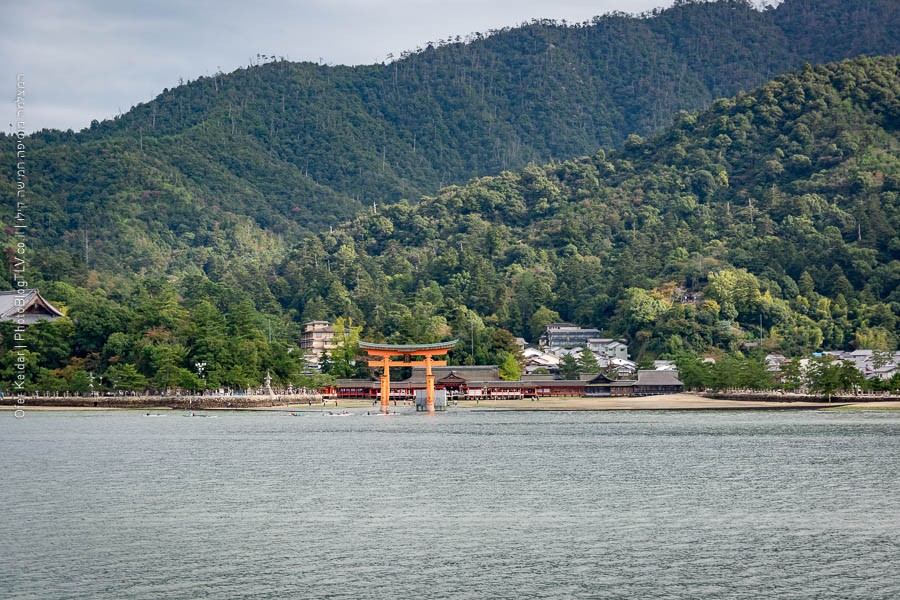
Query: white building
(608, 347)
(871, 363)
(535, 359)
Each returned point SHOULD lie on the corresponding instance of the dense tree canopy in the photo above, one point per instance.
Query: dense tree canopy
(711, 234)
(222, 174)
(771, 218)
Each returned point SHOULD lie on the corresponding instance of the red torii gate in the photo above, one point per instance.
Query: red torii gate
(380, 356)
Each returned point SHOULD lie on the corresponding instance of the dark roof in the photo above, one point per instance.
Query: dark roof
(537, 377)
(470, 374)
(559, 383)
(399, 348)
(357, 383)
(650, 377)
(600, 378)
(31, 303)
(452, 377)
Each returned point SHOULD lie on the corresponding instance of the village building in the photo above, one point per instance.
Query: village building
(620, 366)
(561, 339)
(871, 363)
(567, 335)
(317, 340)
(608, 348)
(775, 362)
(886, 372)
(521, 344)
(26, 307)
(537, 360)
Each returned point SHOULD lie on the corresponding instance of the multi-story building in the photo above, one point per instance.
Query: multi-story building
(317, 340)
(568, 335)
(563, 338)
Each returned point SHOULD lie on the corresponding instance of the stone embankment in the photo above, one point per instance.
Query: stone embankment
(179, 402)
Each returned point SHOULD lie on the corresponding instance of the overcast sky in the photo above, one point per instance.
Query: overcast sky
(91, 59)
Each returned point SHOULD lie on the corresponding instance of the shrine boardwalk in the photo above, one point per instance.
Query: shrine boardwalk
(474, 382)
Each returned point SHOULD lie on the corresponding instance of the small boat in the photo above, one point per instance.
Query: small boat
(345, 413)
(153, 415)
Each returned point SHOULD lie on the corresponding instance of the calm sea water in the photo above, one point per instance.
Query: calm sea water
(459, 505)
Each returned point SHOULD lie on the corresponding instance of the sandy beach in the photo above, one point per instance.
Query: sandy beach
(664, 402)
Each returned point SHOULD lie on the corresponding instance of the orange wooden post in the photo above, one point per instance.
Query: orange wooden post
(386, 385)
(429, 385)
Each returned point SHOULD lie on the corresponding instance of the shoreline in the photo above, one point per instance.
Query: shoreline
(683, 401)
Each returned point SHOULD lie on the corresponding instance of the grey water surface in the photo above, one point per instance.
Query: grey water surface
(769, 504)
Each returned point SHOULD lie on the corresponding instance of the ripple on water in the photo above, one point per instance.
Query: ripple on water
(505, 505)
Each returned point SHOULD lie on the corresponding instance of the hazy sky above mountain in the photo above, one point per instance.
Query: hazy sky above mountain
(91, 59)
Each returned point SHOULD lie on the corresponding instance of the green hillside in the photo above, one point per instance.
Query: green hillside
(771, 217)
(220, 175)
(774, 214)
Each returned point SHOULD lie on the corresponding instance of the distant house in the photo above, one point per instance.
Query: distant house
(871, 363)
(567, 335)
(535, 359)
(26, 307)
(775, 362)
(886, 372)
(620, 366)
(609, 348)
(521, 344)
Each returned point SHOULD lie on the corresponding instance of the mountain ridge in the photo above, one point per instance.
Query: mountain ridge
(271, 153)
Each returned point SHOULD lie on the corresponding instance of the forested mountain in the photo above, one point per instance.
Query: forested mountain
(222, 174)
(772, 217)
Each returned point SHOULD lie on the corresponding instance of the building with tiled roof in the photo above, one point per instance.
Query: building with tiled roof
(26, 307)
(474, 382)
